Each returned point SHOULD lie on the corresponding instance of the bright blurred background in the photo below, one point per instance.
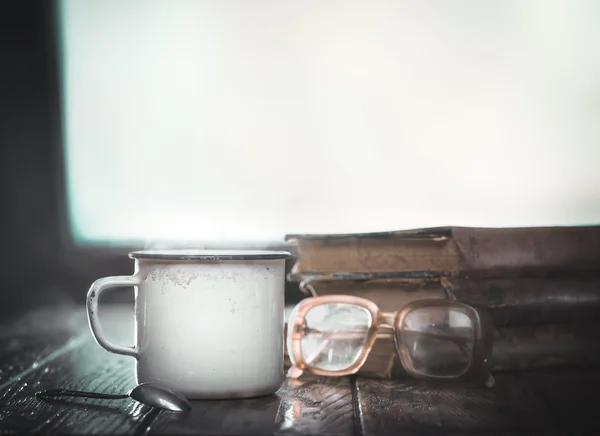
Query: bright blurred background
(247, 120)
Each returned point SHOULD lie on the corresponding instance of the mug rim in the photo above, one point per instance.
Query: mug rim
(197, 254)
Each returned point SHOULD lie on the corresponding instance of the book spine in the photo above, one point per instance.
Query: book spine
(525, 251)
(425, 254)
(529, 300)
(524, 347)
(387, 296)
(464, 252)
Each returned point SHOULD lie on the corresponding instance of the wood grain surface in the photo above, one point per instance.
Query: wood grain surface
(571, 394)
(311, 406)
(412, 407)
(77, 362)
(53, 348)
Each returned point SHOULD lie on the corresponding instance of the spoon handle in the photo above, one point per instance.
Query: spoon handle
(53, 393)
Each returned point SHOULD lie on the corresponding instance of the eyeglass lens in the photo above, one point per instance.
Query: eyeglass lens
(438, 341)
(334, 335)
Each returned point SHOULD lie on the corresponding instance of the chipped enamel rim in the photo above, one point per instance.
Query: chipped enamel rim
(192, 254)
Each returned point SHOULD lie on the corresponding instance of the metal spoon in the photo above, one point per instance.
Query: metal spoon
(150, 394)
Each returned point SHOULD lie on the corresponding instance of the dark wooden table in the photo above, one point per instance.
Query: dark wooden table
(53, 347)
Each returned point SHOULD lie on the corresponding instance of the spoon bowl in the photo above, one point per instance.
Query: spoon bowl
(156, 395)
(150, 394)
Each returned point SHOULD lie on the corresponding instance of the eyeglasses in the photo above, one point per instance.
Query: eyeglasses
(332, 335)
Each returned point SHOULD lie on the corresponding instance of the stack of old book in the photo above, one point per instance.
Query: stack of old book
(541, 285)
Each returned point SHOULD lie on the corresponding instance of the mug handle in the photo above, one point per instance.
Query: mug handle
(93, 295)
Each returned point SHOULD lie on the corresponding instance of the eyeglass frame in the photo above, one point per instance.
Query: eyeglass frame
(482, 336)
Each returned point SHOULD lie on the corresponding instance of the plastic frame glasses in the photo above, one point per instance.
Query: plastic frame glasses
(383, 323)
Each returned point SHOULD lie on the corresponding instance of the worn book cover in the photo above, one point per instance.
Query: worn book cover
(451, 251)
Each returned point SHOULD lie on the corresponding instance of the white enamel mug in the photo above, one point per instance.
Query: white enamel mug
(208, 323)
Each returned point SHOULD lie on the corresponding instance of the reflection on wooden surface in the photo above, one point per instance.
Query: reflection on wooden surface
(53, 348)
(391, 406)
(316, 405)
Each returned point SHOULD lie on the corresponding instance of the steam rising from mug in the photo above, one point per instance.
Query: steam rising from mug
(213, 244)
